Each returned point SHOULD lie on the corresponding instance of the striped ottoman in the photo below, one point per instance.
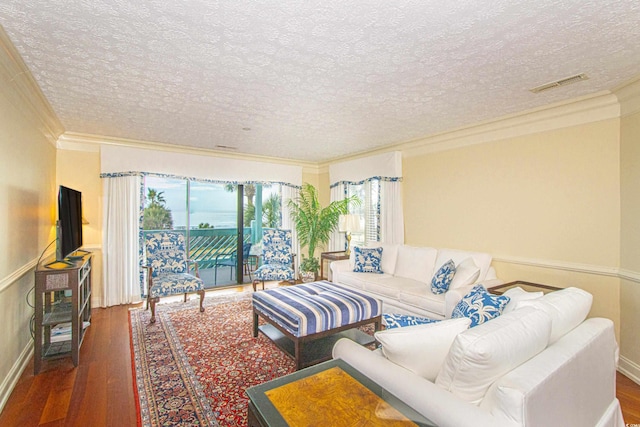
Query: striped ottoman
(314, 316)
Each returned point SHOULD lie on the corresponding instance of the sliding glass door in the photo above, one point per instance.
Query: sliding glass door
(207, 213)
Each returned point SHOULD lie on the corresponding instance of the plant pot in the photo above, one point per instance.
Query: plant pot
(307, 276)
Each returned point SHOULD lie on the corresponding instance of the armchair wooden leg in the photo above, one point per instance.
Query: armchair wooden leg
(255, 284)
(201, 293)
(152, 302)
(185, 297)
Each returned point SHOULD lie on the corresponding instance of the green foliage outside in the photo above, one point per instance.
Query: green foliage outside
(156, 215)
(314, 223)
(270, 207)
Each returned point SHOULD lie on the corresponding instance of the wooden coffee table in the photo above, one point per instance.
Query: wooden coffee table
(332, 393)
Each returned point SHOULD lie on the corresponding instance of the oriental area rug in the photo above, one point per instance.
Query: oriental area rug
(193, 368)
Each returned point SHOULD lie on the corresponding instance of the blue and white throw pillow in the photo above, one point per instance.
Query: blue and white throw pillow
(367, 260)
(391, 320)
(443, 278)
(480, 306)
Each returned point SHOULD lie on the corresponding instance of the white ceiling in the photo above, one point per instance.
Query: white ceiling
(313, 80)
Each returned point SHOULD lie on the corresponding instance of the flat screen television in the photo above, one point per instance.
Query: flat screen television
(69, 226)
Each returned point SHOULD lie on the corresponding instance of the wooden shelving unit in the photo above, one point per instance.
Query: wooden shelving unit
(62, 295)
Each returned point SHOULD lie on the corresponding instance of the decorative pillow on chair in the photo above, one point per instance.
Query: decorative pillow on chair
(391, 320)
(422, 348)
(443, 277)
(480, 306)
(367, 260)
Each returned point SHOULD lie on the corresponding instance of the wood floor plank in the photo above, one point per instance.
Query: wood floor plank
(57, 405)
(99, 392)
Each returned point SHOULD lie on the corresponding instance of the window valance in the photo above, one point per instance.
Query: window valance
(115, 161)
(385, 167)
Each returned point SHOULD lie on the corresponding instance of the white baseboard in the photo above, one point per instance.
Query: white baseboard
(11, 380)
(630, 369)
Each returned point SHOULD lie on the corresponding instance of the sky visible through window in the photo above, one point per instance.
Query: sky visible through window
(209, 203)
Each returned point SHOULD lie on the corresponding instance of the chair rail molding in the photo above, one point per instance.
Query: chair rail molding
(598, 270)
(12, 278)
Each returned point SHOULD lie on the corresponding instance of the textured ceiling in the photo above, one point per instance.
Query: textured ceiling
(312, 80)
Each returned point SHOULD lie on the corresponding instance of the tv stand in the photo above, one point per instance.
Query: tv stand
(62, 296)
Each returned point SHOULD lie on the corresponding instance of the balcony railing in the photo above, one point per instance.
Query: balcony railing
(205, 245)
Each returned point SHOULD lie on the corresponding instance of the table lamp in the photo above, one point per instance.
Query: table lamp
(349, 224)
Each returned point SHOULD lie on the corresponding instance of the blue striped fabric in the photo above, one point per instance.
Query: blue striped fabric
(315, 307)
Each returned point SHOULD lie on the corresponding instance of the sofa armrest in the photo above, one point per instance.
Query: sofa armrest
(438, 405)
(337, 267)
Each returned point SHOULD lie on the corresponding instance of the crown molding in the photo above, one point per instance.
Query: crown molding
(23, 91)
(89, 142)
(629, 97)
(586, 109)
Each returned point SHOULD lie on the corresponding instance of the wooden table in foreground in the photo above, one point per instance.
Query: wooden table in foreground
(333, 394)
(526, 286)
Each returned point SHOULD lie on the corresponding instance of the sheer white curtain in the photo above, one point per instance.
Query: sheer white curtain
(337, 241)
(391, 213)
(290, 193)
(121, 243)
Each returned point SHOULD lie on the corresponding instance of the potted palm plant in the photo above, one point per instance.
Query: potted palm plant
(314, 224)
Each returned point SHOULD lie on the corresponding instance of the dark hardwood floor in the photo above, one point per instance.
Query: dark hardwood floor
(99, 392)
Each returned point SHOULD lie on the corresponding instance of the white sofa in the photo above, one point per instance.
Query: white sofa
(405, 285)
(534, 366)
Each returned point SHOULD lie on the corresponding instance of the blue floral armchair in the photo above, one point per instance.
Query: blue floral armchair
(168, 269)
(277, 258)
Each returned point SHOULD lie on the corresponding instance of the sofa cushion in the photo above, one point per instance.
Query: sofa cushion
(481, 355)
(416, 263)
(480, 306)
(367, 260)
(421, 348)
(442, 278)
(419, 295)
(392, 320)
(567, 309)
(389, 255)
(516, 295)
(360, 280)
(467, 273)
(481, 259)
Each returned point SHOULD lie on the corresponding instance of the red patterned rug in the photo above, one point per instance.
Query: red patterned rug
(193, 368)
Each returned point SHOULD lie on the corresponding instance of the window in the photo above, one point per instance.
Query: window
(208, 214)
(369, 193)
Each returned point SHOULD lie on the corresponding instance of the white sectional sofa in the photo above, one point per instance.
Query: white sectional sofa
(541, 365)
(405, 285)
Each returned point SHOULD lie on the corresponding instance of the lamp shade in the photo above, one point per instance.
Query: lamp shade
(349, 224)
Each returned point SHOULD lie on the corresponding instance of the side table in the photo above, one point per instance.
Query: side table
(329, 257)
(526, 286)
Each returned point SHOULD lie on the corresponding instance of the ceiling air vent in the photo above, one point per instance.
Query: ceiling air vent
(561, 82)
(226, 147)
